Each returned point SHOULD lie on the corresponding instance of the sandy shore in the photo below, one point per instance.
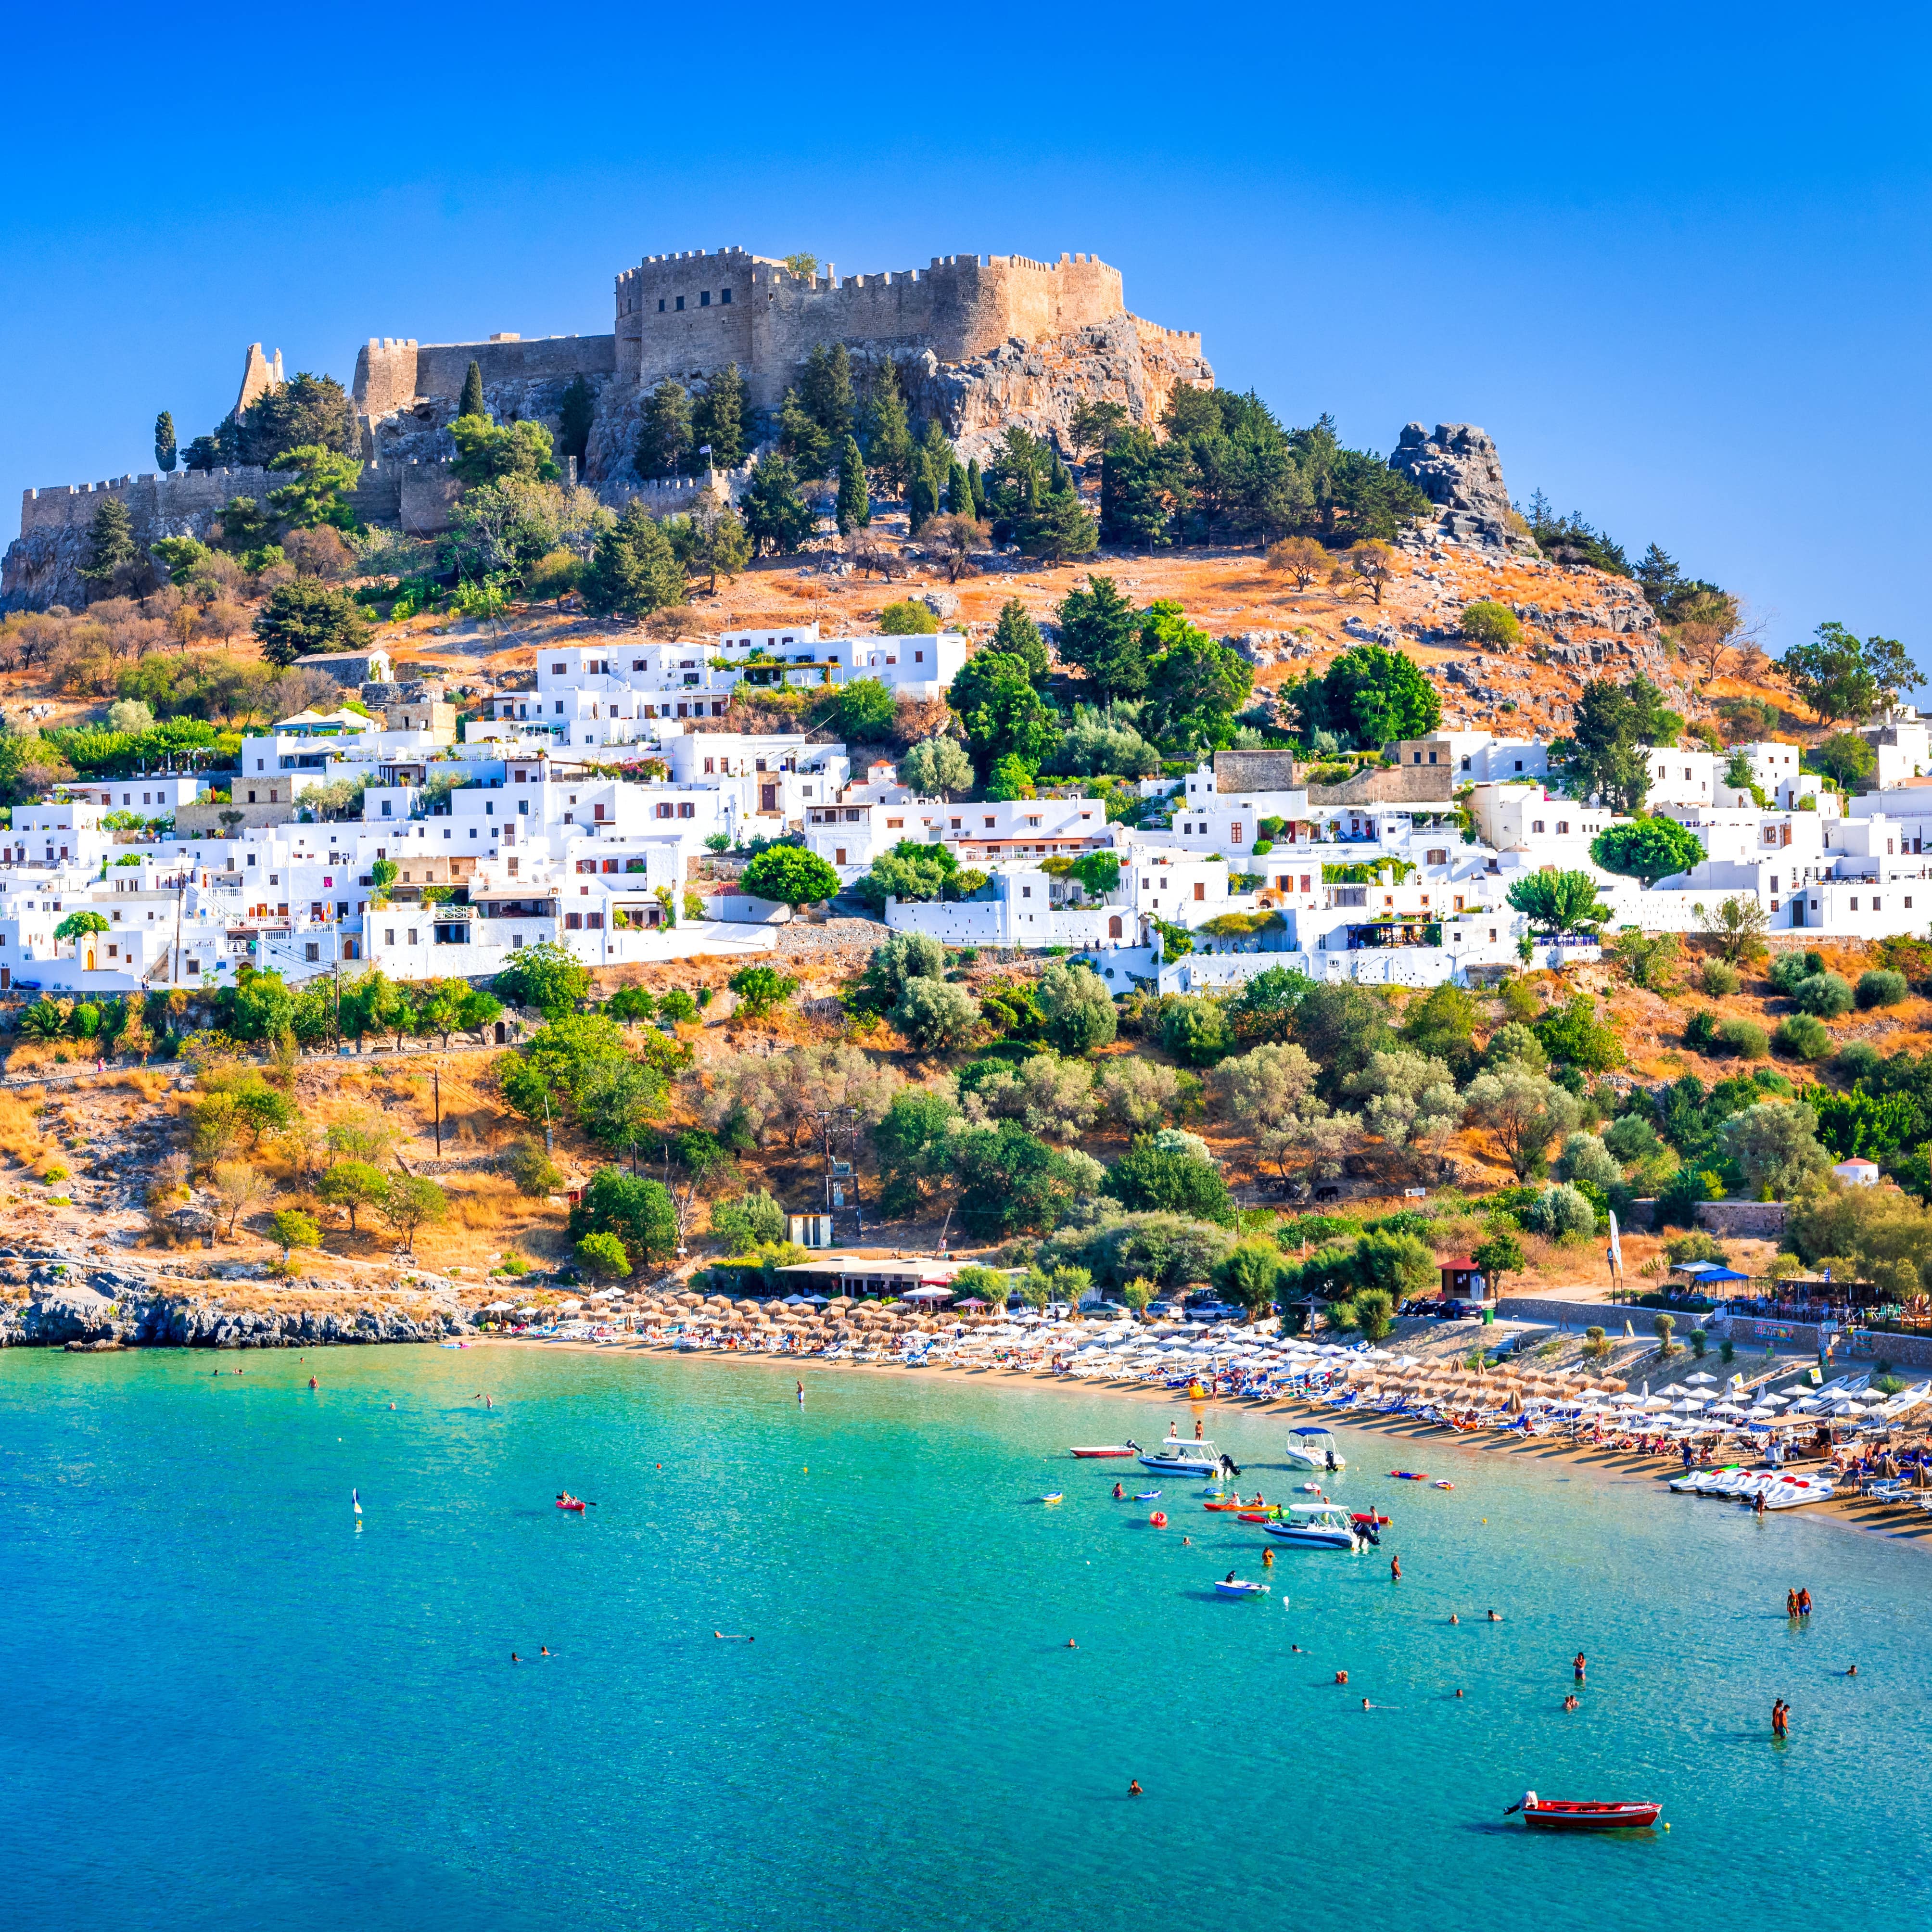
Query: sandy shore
(1909, 1524)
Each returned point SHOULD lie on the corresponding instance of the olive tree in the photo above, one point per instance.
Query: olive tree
(1523, 1113)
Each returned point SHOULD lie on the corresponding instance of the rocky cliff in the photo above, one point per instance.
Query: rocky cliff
(73, 1305)
(1458, 470)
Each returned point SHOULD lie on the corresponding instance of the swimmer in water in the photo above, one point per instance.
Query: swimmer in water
(543, 1650)
(515, 1658)
(1569, 1702)
(1118, 1492)
(1494, 1618)
(1134, 1788)
(313, 1383)
(1579, 1666)
(1267, 1559)
(1853, 1672)
(1459, 1694)
(1341, 1677)
(1791, 1602)
(1453, 1617)
(1366, 1705)
(1395, 1569)
(1072, 1646)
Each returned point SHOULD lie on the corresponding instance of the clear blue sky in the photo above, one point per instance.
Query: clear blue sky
(1674, 259)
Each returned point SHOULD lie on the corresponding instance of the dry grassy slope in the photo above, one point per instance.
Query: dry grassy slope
(1227, 592)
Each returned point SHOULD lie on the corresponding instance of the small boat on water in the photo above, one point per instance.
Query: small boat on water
(1105, 1449)
(569, 1502)
(1565, 1814)
(1055, 1496)
(1319, 1525)
(1314, 1448)
(1177, 1456)
(1789, 1491)
(1235, 1586)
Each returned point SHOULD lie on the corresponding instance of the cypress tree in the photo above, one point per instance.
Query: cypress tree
(666, 434)
(633, 570)
(923, 499)
(574, 419)
(959, 492)
(976, 483)
(854, 509)
(472, 404)
(166, 455)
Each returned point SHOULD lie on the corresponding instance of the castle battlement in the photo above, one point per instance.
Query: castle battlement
(685, 315)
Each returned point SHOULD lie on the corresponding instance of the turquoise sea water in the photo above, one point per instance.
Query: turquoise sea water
(226, 1706)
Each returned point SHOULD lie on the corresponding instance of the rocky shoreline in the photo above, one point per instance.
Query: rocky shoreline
(73, 1305)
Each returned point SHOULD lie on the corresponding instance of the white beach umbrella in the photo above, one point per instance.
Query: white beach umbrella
(498, 1307)
(1700, 1377)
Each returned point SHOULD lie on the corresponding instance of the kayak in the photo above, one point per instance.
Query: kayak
(1369, 1516)
(572, 1504)
(1560, 1814)
(1146, 1496)
(1225, 1509)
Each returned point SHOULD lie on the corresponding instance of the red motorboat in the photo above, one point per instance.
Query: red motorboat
(1108, 1449)
(1564, 1814)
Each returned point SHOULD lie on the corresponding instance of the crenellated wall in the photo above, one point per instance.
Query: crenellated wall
(686, 315)
(391, 373)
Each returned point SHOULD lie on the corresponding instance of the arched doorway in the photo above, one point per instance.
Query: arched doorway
(1114, 927)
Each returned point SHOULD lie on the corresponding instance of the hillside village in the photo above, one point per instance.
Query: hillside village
(1014, 800)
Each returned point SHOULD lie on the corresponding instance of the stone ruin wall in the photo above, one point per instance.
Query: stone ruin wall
(960, 306)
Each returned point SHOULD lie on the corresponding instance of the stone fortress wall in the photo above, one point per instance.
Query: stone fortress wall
(392, 374)
(686, 315)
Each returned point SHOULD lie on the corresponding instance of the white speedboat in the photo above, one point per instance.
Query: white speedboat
(1322, 1525)
(1235, 1586)
(1314, 1449)
(1178, 1457)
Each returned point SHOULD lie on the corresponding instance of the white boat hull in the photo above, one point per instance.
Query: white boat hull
(1171, 1466)
(1319, 1539)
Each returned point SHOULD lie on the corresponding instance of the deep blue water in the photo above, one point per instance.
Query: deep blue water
(226, 1706)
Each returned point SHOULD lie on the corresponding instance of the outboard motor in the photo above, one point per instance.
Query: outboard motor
(1371, 1532)
(1329, 1454)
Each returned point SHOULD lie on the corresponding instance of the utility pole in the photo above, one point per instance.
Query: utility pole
(436, 1083)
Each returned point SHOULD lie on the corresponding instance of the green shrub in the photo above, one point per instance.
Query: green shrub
(1803, 1036)
(1744, 1037)
(907, 618)
(1486, 622)
(1827, 995)
(1790, 970)
(532, 1170)
(1717, 979)
(1880, 988)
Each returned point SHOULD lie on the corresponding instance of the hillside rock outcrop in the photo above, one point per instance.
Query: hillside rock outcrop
(1458, 470)
(71, 1306)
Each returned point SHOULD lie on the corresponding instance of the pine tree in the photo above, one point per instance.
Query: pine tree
(166, 454)
(976, 483)
(889, 440)
(854, 509)
(727, 548)
(923, 498)
(665, 435)
(633, 570)
(472, 404)
(1019, 636)
(826, 390)
(800, 438)
(775, 513)
(959, 491)
(110, 543)
(717, 418)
